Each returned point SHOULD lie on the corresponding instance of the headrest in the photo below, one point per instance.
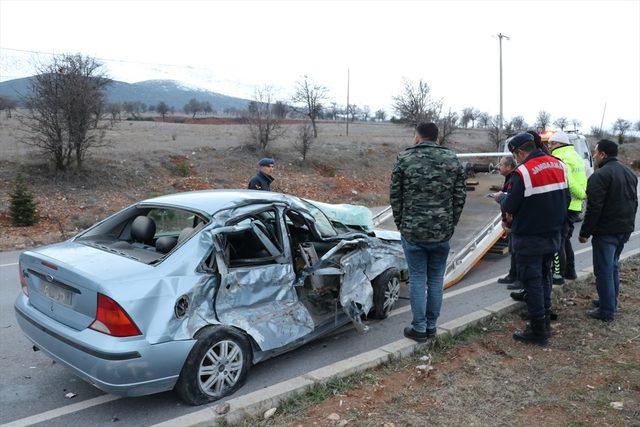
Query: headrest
(165, 244)
(143, 229)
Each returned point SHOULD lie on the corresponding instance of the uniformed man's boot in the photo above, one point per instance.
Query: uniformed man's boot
(553, 316)
(534, 333)
(547, 326)
(518, 296)
(570, 272)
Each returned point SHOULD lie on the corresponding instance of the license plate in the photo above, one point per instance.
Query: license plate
(57, 293)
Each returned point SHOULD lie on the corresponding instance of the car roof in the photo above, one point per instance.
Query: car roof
(211, 201)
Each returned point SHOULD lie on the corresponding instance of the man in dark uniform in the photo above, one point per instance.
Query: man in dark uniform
(538, 187)
(263, 179)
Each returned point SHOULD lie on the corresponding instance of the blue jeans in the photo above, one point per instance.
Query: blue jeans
(427, 263)
(606, 253)
(534, 271)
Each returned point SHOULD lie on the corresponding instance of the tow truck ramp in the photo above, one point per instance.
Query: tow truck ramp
(461, 262)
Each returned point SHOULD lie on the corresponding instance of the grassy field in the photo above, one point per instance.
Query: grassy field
(144, 159)
(588, 375)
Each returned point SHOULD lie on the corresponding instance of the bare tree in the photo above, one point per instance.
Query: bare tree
(494, 131)
(308, 98)
(305, 139)
(576, 123)
(7, 105)
(264, 126)
(61, 108)
(474, 116)
(280, 109)
(465, 117)
(163, 109)
(207, 108)
(543, 120)
(561, 122)
(517, 124)
(114, 109)
(447, 125)
(381, 115)
(366, 112)
(483, 119)
(415, 104)
(621, 126)
(352, 112)
(192, 107)
(636, 126)
(132, 108)
(597, 131)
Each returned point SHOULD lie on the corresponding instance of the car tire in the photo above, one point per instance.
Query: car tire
(217, 366)
(386, 291)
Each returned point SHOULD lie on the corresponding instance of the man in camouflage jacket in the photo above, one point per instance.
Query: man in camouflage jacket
(427, 197)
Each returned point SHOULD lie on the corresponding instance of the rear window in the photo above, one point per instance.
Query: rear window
(170, 221)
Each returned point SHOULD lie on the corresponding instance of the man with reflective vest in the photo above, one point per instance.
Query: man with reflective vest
(562, 148)
(537, 202)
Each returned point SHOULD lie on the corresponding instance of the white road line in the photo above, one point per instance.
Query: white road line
(64, 410)
(7, 265)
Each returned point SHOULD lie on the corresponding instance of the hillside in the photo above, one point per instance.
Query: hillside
(151, 92)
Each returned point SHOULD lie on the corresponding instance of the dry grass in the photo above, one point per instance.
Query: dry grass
(485, 378)
(146, 159)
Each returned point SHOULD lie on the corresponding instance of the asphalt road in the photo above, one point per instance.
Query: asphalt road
(30, 383)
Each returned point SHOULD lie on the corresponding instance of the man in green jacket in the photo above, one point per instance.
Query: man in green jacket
(562, 148)
(427, 196)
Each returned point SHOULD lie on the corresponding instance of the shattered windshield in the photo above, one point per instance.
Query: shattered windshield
(322, 222)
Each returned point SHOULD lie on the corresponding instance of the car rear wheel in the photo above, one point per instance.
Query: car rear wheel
(386, 292)
(217, 366)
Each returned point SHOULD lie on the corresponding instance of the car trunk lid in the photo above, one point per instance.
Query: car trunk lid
(64, 280)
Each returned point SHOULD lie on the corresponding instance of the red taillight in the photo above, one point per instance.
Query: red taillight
(112, 320)
(23, 280)
(48, 264)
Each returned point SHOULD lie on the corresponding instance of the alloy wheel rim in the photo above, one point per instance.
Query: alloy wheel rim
(220, 368)
(391, 294)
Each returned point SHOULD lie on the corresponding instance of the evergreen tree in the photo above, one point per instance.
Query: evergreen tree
(23, 206)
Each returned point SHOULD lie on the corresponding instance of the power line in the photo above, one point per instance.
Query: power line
(109, 59)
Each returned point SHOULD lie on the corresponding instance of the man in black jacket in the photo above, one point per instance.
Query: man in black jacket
(263, 179)
(612, 202)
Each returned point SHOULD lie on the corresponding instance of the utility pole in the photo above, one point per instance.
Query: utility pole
(500, 37)
(602, 121)
(347, 102)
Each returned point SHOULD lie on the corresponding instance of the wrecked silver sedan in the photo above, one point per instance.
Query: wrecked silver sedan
(189, 290)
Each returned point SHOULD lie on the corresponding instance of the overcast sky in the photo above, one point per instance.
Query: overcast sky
(568, 58)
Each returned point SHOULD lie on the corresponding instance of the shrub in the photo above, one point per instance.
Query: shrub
(174, 136)
(183, 168)
(23, 206)
(635, 164)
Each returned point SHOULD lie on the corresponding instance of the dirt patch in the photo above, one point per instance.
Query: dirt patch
(486, 378)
